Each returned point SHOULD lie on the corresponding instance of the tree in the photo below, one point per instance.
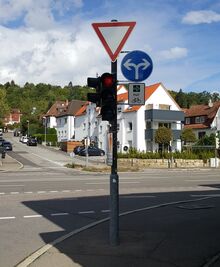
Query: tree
(188, 136)
(4, 108)
(163, 136)
(181, 99)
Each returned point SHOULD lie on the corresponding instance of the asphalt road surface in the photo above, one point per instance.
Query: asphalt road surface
(45, 200)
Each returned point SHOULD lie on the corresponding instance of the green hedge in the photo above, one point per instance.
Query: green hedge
(50, 138)
(133, 153)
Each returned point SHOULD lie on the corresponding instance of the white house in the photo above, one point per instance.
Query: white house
(66, 121)
(137, 125)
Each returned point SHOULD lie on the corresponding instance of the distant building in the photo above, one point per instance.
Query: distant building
(203, 119)
(13, 117)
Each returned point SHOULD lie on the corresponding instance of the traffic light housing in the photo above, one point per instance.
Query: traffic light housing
(94, 97)
(105, 96)
(108, 83)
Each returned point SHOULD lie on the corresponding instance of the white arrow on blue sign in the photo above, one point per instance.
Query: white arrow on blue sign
(136, 66)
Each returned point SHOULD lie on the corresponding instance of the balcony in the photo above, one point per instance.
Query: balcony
(150, 134)
(164, 115)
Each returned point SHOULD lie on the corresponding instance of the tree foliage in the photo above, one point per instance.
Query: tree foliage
(188, 136)
(163, 135)
(186, 100)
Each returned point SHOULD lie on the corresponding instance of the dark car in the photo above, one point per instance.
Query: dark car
(32, 142)
(92, 151)
(7, 145)
(77, 149)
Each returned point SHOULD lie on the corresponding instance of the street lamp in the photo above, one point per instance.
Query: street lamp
(28, 128)
(45, 130)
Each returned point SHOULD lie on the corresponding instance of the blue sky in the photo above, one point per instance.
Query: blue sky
(52, 41)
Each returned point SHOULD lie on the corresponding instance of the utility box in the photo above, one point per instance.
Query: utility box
(214, 162)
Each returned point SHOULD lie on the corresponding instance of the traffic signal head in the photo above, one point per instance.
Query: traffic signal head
(94, 97)
(108, 96)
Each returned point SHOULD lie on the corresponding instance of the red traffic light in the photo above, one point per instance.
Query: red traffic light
(108, 80)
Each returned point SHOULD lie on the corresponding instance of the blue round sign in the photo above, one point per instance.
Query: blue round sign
(136, 66)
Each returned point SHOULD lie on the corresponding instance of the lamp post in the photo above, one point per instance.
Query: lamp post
(28, 128)
(45, 130)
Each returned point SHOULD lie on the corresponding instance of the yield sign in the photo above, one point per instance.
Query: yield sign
(113, 35)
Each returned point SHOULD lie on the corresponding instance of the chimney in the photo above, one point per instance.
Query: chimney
(210, 104)
(67, 102)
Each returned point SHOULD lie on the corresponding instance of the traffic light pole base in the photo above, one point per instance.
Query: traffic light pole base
(114, 210)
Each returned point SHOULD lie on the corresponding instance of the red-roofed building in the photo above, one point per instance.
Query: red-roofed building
(13, 117)
(203, 119)
(137, 125)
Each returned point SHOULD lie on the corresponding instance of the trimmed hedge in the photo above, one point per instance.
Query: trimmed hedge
(133, 153)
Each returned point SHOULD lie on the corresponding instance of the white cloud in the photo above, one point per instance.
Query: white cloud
(174, 53)
(201, 16)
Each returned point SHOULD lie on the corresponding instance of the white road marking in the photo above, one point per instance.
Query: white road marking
(208, 195)
(200, 180)
(7, 218)
(137, 196)
(53, 191)
(11, 185)
(14, 193)
(41, 192)
(66, 191)
(54, 162)
(86, 212)
(2, 193)
(33, 216)
(28, 192)
(105, 211)
(59, 214)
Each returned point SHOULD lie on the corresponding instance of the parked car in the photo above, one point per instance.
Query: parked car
(32, 142)
(92, 151)
(23, 139)
(77, 149)
(7, 145)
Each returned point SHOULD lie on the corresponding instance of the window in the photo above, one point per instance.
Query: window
(118, 126)
(197, 120)
(65, 120)
(149, 106)
(201, 135)
(100, 129)
(96, 124)
(164, 107)
(119, 109)
(84, 126)
(148, 125)
(130, 126)
(187, 121)
(167, 125)
(202, 119)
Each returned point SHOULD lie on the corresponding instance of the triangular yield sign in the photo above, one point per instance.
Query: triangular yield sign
(113, 35)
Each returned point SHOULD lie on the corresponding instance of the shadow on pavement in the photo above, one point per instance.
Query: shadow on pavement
(176, 229)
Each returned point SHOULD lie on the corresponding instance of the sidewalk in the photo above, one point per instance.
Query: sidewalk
(9, 164)
(165, 236)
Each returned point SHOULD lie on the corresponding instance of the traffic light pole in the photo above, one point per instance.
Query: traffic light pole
(114, 179)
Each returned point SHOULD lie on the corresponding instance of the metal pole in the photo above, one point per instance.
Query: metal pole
(114, 197)
(45, 130)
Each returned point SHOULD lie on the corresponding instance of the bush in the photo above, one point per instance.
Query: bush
(201, 154)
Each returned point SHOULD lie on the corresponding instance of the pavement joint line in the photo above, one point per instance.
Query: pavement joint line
(86, 212)
(59, 214)
(35, 255)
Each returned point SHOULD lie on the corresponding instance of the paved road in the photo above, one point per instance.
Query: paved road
(45, 200)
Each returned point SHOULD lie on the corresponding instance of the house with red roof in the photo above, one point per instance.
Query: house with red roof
(137, 125)
(13, 117)
(203, 119)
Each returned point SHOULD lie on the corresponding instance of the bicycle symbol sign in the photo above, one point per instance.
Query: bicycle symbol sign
(136, 93)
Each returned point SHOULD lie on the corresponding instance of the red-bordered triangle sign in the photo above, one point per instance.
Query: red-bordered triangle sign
(113, 35)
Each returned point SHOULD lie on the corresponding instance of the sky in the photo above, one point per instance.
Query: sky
(53, 41)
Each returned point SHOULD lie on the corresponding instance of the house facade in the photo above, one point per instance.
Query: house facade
(203, 119)
(136, 125)
(13, 117)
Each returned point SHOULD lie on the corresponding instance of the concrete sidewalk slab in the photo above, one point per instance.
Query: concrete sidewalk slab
(10, 164)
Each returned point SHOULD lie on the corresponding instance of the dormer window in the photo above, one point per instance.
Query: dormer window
(197, 120)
